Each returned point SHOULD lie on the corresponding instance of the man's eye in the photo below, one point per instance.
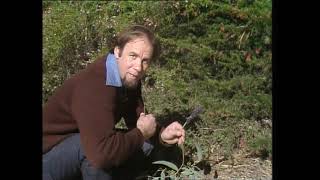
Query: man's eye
(132, 56)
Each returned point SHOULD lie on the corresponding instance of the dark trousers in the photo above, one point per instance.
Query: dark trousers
(67, 161)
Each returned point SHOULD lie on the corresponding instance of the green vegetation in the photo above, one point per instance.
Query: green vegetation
(216, 54)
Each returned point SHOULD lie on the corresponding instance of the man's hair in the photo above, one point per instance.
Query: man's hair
(133, 32)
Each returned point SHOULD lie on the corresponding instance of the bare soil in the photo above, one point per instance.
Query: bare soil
(242, 167)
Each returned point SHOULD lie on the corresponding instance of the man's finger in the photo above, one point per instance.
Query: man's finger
(181, 141)
(177, 125)
(172, 141)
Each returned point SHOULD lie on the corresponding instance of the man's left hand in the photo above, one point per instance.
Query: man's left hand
(172, 134)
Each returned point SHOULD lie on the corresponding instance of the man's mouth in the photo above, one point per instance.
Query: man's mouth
(133, 76)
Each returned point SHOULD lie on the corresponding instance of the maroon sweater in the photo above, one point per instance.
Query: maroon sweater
(85, 104)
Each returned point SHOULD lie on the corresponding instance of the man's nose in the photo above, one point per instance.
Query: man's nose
(138, 65)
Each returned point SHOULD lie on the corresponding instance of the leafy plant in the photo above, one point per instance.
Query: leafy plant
(184, 171)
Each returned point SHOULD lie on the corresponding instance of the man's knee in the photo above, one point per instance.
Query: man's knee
(89, 172)
(62, 161)
(46, 176)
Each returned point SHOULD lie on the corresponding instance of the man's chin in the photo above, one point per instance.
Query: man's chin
(130, 84)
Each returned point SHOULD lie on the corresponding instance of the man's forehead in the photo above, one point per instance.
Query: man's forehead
(139, 40)
(134, 45)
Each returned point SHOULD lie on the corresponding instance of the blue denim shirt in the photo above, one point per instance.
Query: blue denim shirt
(113, 75)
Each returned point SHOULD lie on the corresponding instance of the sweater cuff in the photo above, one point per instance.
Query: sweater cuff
(137, 136)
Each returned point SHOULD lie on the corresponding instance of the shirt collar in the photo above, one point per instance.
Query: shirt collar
(112, 75)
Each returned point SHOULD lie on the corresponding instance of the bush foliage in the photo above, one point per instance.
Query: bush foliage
(214, 53)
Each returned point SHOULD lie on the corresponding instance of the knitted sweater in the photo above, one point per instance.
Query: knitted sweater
(85, 104)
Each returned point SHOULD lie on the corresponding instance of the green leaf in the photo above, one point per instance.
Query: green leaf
(199, 152)
(163, 176)
(168, 164)
(187, 172)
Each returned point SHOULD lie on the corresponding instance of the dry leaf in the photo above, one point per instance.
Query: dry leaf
(247, 57)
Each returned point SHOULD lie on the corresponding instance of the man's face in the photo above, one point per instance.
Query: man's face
(134, 61)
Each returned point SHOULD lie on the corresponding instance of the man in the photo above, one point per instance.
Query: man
(79, 135)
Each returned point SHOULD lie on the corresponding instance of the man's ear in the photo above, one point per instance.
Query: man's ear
(116, 52)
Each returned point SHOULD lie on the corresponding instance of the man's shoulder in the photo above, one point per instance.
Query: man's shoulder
(99, 62)
(97, 67)
(101, 59)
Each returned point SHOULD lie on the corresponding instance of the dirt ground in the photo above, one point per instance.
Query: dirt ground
(241, 168)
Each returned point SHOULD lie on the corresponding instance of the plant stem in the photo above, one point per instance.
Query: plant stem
(185, 123)
(182, 149)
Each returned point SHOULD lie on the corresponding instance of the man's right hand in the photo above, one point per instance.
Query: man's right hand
(147, 125)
